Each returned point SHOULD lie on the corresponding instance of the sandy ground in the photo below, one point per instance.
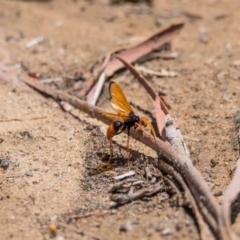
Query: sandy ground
(51, 153)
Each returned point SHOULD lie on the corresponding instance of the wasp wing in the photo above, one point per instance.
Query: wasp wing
(116, 116)
(118, 100)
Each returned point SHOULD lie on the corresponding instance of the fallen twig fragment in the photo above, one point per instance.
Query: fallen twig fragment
(49, 80)
(122, 198)
(34, 41)
(127, 174)
(119, 185)
(114, 187)
(161, 73)
(148, 173)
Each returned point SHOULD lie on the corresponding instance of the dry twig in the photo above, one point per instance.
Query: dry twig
(127, 174)
(123, 199)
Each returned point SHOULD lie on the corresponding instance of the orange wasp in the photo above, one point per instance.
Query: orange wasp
(125, 117)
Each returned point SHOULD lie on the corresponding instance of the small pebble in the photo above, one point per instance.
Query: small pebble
(166, 231)
(37, 212)
(153, 180)
(29, 174)
(213, 163)
(5, 164)
(218, 193)
(127, 227)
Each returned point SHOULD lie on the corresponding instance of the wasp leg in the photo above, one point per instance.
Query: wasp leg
(128, 130)
(145, 122)
(113, 129)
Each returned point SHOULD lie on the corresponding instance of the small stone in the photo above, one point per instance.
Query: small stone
(218, 193)
(154, 179)
(127, 227)
(166, 231)
(5, 164)
(37, 212)
(213, 163)
(158, 22)
(54, 218)
(29, 174)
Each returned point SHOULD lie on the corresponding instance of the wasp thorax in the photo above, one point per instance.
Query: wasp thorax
(117, 125)
(133, 117)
